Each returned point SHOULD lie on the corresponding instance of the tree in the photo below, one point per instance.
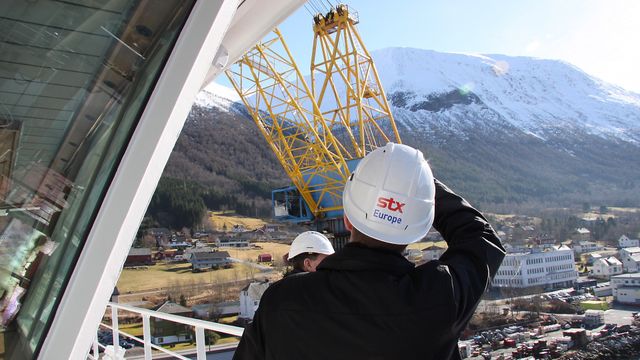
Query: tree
(211, 337)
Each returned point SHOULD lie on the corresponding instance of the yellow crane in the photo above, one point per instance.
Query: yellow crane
(280, 102)
(346, 85)
(320, 133)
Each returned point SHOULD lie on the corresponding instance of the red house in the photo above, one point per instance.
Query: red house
(139, 256)
(264, 258)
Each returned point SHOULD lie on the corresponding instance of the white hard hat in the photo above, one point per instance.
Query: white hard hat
(310, 242)
(390, 195)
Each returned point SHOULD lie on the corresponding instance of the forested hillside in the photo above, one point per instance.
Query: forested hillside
(220, 162)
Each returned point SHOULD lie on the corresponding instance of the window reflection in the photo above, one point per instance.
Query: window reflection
(74, 78)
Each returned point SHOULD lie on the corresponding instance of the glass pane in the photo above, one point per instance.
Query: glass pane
(74, 78)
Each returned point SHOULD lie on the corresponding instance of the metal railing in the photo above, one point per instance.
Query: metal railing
(117, 352)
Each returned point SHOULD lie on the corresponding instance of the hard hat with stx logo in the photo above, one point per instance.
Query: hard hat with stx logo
(390, 195)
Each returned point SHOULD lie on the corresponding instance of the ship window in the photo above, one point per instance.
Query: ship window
(74, 78)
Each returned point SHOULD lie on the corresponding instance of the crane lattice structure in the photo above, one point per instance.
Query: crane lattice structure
(318, 134)
(346, 85)
(280, 103)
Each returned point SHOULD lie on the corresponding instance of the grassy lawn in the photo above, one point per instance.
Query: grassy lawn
(132, 329)
(228, 340)
(220, 220)
(275, 249)
(161, 276)
(136, 330)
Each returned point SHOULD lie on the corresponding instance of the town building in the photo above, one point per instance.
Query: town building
(197, 249)
(213, 311)
(139, 257)
(626, 288)
(552, 268)
(544, 239)
(604, 268)
(583, 246)
(161, 235)
(250, 299)
(232, 241)
(209, 260)
(603, 289)
(630, 258)
(625, 242)
(590, 258)
(265, 258)
(582, 234)
(168, 332)
(432, 252)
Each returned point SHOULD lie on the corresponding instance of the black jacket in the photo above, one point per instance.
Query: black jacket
(366, 303)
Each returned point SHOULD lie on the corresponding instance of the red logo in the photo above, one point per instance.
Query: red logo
(390, 204)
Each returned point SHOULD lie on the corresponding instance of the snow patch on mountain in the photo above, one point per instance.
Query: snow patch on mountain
(537, 96)
(217, 95)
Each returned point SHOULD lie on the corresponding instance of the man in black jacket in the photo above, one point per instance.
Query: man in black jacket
(367, 301)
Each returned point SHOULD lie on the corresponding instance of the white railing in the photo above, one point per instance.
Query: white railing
(117, 352)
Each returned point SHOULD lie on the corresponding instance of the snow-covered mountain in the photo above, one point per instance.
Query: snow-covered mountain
(534, 95)
(216, 95)
(507, 129)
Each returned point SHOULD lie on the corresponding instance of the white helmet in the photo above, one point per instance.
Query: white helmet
(310, 242)
(390, 195)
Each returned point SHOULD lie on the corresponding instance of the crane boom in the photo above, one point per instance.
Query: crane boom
(346, 85)
(280, 103)
(318, 134)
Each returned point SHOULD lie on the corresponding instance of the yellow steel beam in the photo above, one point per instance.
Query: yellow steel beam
(346, 85)
(280, 103)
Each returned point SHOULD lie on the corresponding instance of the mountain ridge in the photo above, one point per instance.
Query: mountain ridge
(502, 129)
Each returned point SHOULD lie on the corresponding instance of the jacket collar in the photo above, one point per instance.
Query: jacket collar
(358, 257)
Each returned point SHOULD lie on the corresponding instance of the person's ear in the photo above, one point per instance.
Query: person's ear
(306, 265)
(347, 223)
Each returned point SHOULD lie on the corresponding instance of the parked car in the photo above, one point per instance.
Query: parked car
(126, 344)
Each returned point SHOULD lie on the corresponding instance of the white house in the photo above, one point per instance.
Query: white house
(630, 259)
(625, 242)
(432, 252)
(604, 268)
(585, 247)
(582, 234)
(214, 310)
(603, 289)
(626, 288)
(165, 332)
(592, 258)
(550, 268)
(210, 260)
(232, 241)
(250, 298)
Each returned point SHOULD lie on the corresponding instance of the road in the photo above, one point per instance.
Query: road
(262, 268)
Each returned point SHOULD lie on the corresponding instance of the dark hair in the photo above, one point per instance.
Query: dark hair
(359, 237)
(297, 262)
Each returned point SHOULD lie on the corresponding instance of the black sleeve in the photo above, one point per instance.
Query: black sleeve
(251, 346)
(474, 250)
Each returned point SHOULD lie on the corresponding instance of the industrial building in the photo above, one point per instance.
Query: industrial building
(626, 288)
(550, 268)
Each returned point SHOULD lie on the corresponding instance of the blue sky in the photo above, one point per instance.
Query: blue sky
(602, 37)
